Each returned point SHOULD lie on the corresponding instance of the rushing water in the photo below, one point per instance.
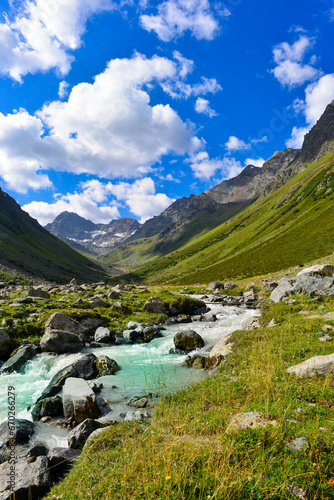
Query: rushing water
(144, 368)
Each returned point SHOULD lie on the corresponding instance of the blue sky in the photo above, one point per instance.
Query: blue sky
(116, 108)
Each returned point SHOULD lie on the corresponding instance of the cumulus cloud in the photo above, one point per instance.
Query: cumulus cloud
(43, 33)
(290, 70)
(317, 96)
(203, 166)
(85, 201)
(118, 133)
(63, 89)
(235, 144)
(141, 197)
(175, 17)
(257, 162)
(203, 106)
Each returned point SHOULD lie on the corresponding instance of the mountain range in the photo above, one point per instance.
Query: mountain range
(261, 220)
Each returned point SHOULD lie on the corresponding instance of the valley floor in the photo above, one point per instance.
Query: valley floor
(191, 450)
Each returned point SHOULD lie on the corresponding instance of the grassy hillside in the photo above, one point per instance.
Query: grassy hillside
(289, 227)
(29, 249)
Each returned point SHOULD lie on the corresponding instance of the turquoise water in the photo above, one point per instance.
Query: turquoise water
(144, 368)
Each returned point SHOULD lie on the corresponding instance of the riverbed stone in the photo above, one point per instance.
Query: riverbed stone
(84, 367)
(32, 479)
(106, 366)
(5, 343)
(188, 341)
(103, 334)
(17, 433)
(60, 342)
(78, 436)
(79, 401)
(19, 359)
(59, 321)
(314, 367)
(48, 407)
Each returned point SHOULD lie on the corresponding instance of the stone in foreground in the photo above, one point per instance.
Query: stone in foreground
(314, 367)
(298, 444)
(60, 342)
(32, 480)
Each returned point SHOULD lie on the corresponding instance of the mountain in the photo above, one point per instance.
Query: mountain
(87, 237)
(28, 248)
(283, 197)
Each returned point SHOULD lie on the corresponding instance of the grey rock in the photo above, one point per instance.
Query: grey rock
(19, 359)
(136, 415)
(209, 317)
(48, 407)
(35, 292)
(60, 342)
(78, 436)
(312, 284)
(84, 367)
(79, 400)
(5, 343)
(285, 288)
(106, 366)
(138, 402)
(229, 285)
(269, 287)
(155, 305)
(313, 367)
(103, 334)
(325, 338)
(38, 450)
(188, 341)
(32, 479)
(216, 285)
(59, 321)
(320, 269)
(61, 460)
(298, 444)
(98, 302)
(18, 433)
(90, 324)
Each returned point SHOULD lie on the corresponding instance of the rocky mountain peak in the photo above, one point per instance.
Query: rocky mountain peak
(320, 139)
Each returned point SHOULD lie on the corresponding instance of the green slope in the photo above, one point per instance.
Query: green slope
(291, 226)
(28, 248)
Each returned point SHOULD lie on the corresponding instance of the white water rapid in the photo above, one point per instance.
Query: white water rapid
(144, 368)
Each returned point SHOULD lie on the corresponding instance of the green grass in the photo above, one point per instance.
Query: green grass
(185, 452)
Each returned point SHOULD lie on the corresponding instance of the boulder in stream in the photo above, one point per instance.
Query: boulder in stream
(60, 342)
(79, 401)
(188, 341)
(31, 479)
(19, 359)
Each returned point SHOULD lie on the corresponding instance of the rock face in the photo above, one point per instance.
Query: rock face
(32, 480)
(188, 341)
(313, 367)
(18, 360)
(79, 400)
(5, 343)
(60, 342)
(59, 321)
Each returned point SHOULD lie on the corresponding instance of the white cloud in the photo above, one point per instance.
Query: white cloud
(203, 106)
(141, 197)
(289, 70)
(43, 33)
(175, 17)
(63, 89)
(235, 144)
(116, 133)
(317, 96)
(257, 162)
(204, 167)
(84, 202)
